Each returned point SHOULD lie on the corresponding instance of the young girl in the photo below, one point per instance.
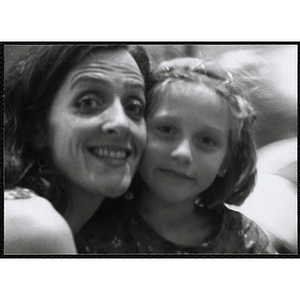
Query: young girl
(199, 156)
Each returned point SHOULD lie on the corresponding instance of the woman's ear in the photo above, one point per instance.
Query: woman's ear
(38, 143)
(37, 138)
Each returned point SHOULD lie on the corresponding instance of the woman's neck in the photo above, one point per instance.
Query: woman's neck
(81, 207)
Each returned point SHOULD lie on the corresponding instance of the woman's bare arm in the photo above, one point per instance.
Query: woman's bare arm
(33, 226)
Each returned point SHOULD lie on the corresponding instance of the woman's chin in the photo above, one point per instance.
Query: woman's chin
(116, 193)
(117, 190)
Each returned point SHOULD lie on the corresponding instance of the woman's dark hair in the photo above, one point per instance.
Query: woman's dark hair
(239, 179)
(30, 86)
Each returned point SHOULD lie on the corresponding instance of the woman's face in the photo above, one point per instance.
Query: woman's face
(188, 132)
(96, 126)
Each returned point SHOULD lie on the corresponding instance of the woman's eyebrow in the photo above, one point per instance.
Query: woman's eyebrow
(86, 78)
(97, 78)
(134, 85)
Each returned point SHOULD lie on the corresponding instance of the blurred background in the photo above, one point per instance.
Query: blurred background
(270, 75)
(271, 72)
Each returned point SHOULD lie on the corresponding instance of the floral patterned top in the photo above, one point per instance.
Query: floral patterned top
(123, 230)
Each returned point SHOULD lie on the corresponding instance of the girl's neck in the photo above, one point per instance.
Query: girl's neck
(81, 207)
(182, 223)
(154, 209)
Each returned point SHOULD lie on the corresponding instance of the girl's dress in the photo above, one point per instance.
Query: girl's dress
(121, 229)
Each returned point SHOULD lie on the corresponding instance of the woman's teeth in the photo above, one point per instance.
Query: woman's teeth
(102, 152)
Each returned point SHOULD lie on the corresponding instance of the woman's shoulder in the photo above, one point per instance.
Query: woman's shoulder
(19, 193)
(33, 226)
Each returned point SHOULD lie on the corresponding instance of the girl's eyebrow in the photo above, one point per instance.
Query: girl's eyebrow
(207, 128)
(216, 131)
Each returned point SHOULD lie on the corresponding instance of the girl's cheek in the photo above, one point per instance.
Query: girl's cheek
(161, 149)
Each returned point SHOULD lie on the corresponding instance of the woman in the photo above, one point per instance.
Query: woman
(75, 132)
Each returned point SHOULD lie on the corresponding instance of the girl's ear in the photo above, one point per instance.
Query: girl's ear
(223, 168)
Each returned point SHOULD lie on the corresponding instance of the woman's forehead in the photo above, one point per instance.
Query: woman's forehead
(116, 66)
(110, 59)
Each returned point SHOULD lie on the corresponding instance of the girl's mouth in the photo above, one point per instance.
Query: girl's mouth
(175, 175)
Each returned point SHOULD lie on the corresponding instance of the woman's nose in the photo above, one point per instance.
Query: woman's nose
(116, 120)
(183, 152)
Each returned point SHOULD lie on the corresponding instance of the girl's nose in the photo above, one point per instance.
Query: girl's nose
(183, 152)
(116, 121)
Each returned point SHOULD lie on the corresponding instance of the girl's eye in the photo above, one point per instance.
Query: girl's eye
(168, 130)
(135, 109)
(88, 103)
(206, 142)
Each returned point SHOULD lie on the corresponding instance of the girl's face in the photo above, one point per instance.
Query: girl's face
(96, 128)
(188, 130)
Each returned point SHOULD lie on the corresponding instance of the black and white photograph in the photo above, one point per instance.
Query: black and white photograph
(150, 150)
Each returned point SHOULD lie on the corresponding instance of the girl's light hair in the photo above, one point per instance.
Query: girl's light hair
(239, 179)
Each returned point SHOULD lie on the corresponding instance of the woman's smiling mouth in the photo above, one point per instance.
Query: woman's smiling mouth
(111, 154)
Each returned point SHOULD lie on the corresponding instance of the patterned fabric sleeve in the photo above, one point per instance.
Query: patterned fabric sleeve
(256, 241)
(270, 249)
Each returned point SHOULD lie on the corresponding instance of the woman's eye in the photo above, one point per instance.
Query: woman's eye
(135, 109)
(88, 103)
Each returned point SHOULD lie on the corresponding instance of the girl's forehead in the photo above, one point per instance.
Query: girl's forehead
(183, 90)
(183, 86)
(179, 95)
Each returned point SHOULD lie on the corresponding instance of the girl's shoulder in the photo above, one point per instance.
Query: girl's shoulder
(33, 226)
(246, 230)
